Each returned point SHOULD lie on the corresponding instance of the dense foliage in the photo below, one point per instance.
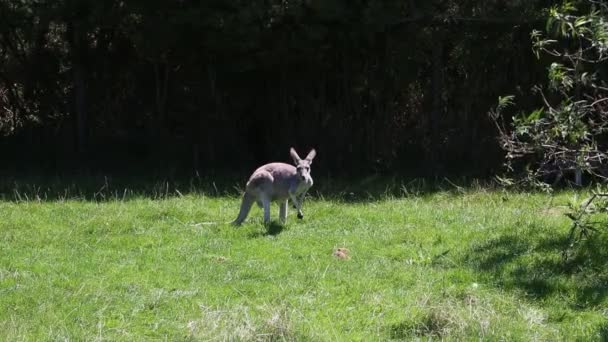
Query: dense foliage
(568, 134)
(381, 85)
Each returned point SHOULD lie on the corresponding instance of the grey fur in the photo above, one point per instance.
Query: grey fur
(278, 182)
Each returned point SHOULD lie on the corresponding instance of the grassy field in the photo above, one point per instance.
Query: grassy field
(453, 265)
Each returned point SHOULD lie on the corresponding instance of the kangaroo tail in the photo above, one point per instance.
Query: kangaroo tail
(246, 204)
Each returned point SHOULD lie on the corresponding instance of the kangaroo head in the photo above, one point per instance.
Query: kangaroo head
(303, 165)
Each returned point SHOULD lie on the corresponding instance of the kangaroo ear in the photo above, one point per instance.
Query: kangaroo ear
(311, 155)
(294, 155)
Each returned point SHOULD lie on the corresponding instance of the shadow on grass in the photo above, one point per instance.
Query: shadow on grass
(124, 187)
(604, 333)
(534, 264)
(273, 228)
(430, 325)
(102, 187)
(130, 185)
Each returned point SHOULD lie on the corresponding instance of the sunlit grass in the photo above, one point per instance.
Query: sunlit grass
(473, 264)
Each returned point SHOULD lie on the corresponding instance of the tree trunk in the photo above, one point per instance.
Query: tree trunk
(437, 111)
(161, 77)
(578, 176)
(81, 108)
(159, 137)
(77, 38)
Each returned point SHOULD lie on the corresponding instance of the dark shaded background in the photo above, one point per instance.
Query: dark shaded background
(216, 86)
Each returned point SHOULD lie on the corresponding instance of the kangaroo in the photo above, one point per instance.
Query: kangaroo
(278, 182)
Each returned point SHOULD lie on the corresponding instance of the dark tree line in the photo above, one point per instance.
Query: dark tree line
(373, 85)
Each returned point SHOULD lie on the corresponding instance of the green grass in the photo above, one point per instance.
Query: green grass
(440, 265)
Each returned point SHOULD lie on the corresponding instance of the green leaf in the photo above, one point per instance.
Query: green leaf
(535, 115)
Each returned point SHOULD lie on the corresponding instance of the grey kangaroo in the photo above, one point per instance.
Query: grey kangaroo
(278, 182)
